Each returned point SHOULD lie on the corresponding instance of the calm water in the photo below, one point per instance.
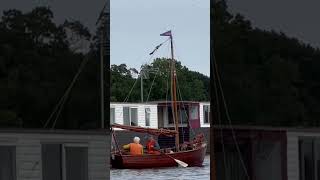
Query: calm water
(173, 173)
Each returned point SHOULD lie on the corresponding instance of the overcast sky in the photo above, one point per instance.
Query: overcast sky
(295, 18)
(137, 24)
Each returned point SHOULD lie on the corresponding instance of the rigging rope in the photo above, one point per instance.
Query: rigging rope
(127, 98)
(221, 134)
(148, 62)
(184, 107)
(229, 119)
(179, 92)
(151, 56)
(61, 102)
(152, 86)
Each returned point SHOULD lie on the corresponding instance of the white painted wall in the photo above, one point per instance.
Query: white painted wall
(141, 113)
(28, 152)
(202, 124)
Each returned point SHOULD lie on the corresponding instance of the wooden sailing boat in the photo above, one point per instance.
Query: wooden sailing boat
(185, 154)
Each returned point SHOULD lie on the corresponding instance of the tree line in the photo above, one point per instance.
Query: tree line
(38, 60)
(125, 87)
(268, 77)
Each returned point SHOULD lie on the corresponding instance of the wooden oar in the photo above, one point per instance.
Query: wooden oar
(181, 163)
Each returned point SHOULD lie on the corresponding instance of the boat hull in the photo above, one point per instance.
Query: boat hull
(191, 157)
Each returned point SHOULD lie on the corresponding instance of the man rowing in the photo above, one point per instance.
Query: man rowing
(135, 148)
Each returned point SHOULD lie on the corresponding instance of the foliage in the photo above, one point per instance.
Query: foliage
(37, 64)
(268, 77)
(192, 85)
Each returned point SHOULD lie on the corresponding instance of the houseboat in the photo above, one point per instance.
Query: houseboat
(53, 154)
(156, 115)
(134, 114)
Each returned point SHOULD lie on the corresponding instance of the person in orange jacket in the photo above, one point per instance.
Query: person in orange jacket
(152, 146)
(135, 148)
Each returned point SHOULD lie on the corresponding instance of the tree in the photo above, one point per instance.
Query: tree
(37, 64)
(156, 87)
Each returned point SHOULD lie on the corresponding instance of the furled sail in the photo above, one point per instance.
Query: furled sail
(151, 131)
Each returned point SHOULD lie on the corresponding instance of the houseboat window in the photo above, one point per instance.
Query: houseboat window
(51, 162)
(194, 112)
(307, 160)
(134, 116)
(126, 116)
(76, 163)
(170, 115)
(130, 116)
(147, 116)
(206, 114)
(8, 162)
(112, 115)
(184, 115)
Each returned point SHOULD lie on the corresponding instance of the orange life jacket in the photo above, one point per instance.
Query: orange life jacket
(136, 149)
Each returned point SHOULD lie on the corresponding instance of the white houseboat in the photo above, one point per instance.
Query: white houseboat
(134, 114)
(53, 154)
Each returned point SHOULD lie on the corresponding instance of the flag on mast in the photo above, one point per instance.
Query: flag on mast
(157, 47)
(168, 33)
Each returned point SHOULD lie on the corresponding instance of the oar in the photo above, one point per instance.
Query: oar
(181, 163)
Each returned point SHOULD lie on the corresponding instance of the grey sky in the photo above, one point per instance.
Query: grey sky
(295, 18)
(137, 24)
(85, 11)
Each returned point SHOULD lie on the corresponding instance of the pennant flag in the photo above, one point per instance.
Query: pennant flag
(168, 33)
(157, 47)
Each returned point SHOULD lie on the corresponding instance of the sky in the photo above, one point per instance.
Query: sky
(295, 18)
(136, 26)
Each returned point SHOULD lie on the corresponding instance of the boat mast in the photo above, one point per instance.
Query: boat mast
(141, 84)
(102, 25)
(174, 95)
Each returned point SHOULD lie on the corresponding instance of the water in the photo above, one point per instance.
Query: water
(173, 173)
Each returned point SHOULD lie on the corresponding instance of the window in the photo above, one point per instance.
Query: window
(183, 115)
(51, 162)
(170, 115)
(126, 116)
(112, 115)
(7, 162)
(309, 158)
(206, 114)
(130, 116)
(194, 112)
(134, 116)
(76, 163)
(64, 162)
(147, 116)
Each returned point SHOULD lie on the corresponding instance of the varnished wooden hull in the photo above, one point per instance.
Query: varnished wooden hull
(191, 157)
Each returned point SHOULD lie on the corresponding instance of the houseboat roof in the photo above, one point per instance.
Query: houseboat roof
(160, 102)
(179, 102)
(142, 103)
